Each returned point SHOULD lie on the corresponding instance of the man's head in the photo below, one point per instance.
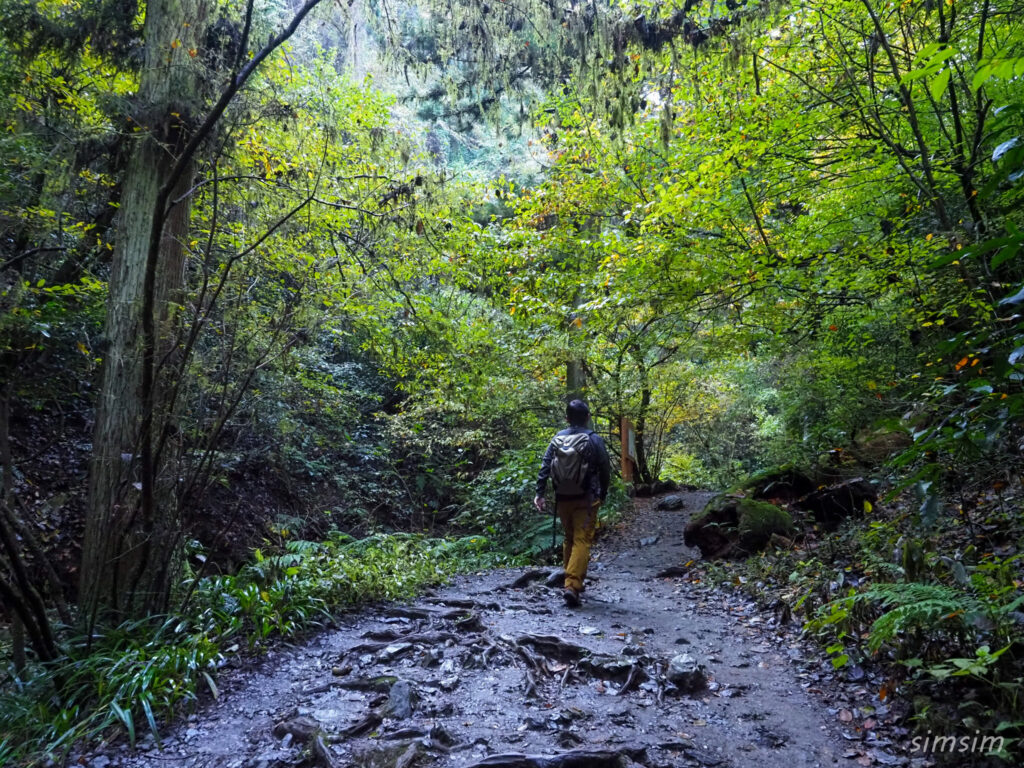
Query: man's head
(577, 413)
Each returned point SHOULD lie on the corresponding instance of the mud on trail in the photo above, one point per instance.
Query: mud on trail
(494, 670)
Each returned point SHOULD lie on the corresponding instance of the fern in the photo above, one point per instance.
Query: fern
(913, 605)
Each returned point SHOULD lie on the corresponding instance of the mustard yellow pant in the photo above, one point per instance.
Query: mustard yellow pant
(579, 521)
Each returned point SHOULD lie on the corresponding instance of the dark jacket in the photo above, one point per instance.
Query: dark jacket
(598, 473)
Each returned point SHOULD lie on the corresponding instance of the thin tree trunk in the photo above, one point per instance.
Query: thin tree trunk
(642, 464)
(17, 643)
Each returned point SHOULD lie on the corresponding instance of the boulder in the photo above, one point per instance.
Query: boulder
(672, 502)
(665, 486)
(642, 490)
(785, 483)
(760, 521)
(733, 525)
(836, 503)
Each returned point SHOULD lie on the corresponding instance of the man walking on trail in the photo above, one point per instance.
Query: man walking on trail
(577, 463)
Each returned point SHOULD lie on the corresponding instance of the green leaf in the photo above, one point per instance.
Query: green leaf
(938, 85)
(148, 709)
(983, 74)
(213, 685)
(1005, 254)
(126, 720)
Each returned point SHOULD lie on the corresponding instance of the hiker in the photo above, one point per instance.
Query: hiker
(577, 463)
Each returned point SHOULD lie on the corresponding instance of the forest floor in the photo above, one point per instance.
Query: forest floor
(482, 672)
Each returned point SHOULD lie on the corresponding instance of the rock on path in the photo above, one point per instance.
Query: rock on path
(483, 673)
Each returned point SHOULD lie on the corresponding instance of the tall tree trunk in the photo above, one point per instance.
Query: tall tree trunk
(132, 536)
(130, 548)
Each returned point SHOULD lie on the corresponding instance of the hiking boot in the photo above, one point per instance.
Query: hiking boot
(571, 597)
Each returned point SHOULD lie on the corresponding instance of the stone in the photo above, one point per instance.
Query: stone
(830, 506)
(671, 502)
(686, 673)
(785, 484)
(402, 700)
(735, 526)
(394, 651)
(758, 522)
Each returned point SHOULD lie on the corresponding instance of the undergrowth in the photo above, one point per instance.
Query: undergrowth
(936, 613)
(128, 679)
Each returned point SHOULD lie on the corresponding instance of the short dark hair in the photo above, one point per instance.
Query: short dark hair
(577, 413)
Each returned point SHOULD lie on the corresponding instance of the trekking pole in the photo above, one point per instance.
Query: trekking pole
(554, 516)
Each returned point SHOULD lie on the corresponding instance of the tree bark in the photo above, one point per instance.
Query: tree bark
(643, 468)
(128, 556)
(131, 548)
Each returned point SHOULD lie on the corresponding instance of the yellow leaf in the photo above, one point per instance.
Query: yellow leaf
(82, 349)
(867, 507)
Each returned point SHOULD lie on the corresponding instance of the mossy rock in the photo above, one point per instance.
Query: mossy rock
(758, 520)
(833, 504)
(786, 482)
(735, 526)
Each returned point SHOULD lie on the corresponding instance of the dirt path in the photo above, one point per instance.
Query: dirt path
(480, 669)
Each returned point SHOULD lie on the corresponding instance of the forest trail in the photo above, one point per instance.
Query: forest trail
(474, 671)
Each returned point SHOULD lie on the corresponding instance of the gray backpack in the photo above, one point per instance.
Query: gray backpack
(570, 463)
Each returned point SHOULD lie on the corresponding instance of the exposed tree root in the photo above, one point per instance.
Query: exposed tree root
(578, 758)
(527, 578)
(672, 570)
(321, 752)
(456, 602)
(404, 612)
(429, 638)
(635, 677)
(554, 647)
(381, 635)
(367, 724)
(409, 756)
